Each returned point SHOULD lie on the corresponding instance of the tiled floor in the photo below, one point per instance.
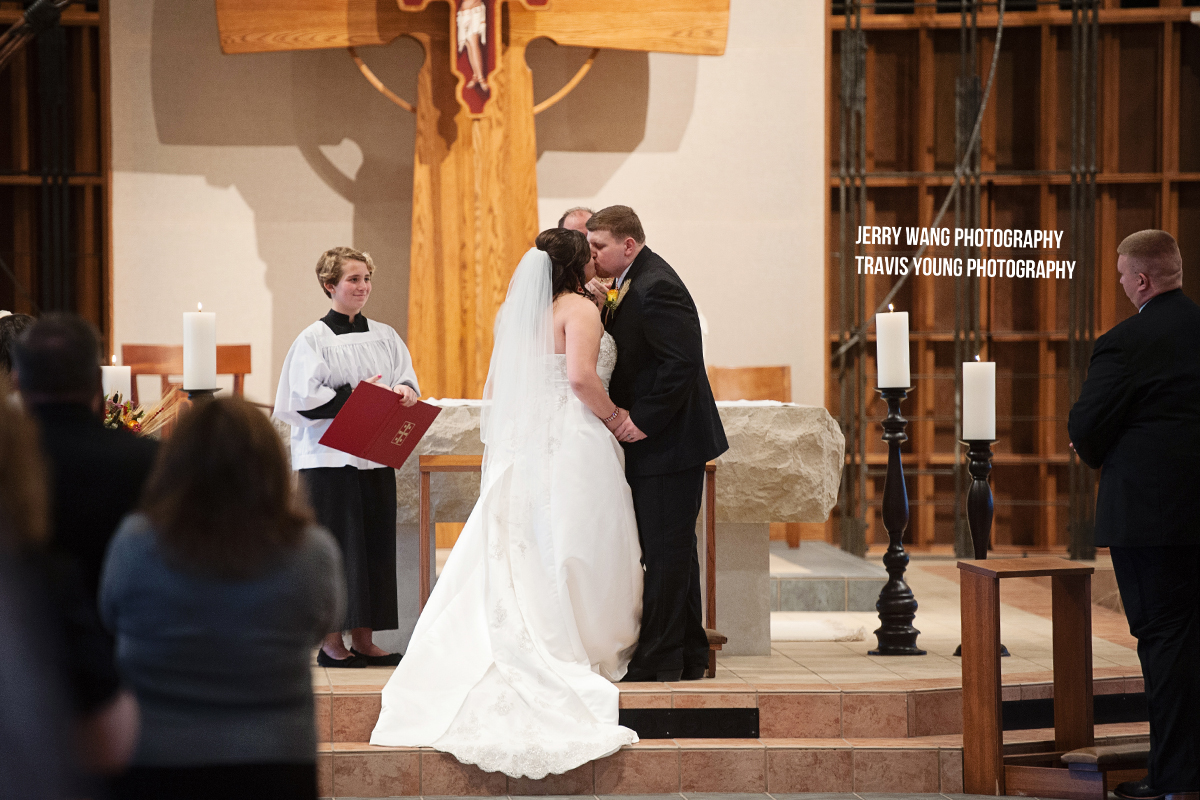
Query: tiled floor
(832, 717)
(1025, 629)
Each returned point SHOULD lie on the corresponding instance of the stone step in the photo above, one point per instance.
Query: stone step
(789, 593)
(819, 577)
(927, 764)
(346, 711)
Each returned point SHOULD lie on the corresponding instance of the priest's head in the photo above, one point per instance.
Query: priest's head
(345, 276)
(575, 219)
(1149, 264)
(57, 360)
(616, 237)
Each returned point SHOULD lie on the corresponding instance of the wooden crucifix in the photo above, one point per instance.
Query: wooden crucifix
(475, 161)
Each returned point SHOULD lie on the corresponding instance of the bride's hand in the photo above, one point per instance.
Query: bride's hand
(615, 423)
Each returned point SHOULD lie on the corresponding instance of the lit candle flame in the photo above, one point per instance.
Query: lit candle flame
(891, 307)
(114, 359)
(976, 358)
(199, 306)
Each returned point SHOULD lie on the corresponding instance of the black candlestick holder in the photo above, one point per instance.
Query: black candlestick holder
(896, 605)
(201, 395)
(979, 503)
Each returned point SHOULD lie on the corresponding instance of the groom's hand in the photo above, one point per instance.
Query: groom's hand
(598, 290)
(627, 432)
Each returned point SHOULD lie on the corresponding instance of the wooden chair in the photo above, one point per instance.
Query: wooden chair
(758, 383)
(166, 360)
(751, 383)
(427, 465)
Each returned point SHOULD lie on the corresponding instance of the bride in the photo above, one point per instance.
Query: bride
(537, 610)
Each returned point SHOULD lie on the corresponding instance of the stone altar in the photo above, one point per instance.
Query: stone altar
(783, 465)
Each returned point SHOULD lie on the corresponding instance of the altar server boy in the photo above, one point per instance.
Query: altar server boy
(352, 497)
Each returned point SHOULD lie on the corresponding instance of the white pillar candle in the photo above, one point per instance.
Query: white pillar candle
(891, 350)
(117, 380)
(979, 401)
(199, 349)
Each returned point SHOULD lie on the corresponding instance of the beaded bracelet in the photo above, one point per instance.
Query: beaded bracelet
(612, 416)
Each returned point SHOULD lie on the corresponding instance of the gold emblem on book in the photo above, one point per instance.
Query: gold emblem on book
(402, 434)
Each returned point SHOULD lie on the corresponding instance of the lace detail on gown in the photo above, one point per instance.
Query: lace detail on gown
(606, 362)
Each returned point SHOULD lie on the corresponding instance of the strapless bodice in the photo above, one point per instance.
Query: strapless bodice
(606, 362)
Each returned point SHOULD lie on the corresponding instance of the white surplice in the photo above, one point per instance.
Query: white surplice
(536, 611)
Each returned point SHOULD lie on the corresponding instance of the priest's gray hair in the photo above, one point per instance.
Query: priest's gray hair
(562, 221)
(331, 263)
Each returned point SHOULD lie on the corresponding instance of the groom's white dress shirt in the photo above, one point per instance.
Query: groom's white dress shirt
(621, 279)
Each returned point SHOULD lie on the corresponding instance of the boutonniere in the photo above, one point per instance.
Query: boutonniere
(610, 300)
(621, 294)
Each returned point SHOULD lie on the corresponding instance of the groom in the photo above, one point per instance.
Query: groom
(671, 431)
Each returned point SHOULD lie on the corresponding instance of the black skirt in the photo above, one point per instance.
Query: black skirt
(358, 506)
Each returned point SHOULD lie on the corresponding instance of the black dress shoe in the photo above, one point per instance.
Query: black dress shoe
(390, 660)
(326, 660)
(694, 673)
(1136, 790)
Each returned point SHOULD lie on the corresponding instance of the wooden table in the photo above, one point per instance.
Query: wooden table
(427, 465)
(984, 767)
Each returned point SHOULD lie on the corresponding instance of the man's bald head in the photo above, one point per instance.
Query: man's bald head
(1150, 264)
(575, 219)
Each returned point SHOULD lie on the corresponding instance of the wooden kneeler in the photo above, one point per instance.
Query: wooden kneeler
(427, 465)
(1091, 769)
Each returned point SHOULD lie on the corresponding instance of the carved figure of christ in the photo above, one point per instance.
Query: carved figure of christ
(475, 160)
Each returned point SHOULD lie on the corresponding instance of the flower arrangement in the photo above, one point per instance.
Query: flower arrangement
(120, 413)
(144, 422)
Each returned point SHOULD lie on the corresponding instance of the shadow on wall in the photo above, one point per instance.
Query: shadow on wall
(609, 115)
(361, 146)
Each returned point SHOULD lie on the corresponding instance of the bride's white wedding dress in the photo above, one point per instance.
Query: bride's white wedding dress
(536, 611)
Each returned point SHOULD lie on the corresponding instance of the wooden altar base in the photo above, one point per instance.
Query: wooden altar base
(893, 737)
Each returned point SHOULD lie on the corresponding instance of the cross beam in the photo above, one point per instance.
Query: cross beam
(475, 159)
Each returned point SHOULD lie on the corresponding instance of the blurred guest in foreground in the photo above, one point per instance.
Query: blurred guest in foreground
(217, 592)
(96, 474)
(64, 713)
(11, 327)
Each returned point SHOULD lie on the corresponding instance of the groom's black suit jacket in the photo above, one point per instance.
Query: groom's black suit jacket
(1138, 417)
(660, 373)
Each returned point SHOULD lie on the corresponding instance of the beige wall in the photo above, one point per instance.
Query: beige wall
(232, 173)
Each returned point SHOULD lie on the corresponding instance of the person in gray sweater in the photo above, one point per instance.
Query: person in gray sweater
(217, 592)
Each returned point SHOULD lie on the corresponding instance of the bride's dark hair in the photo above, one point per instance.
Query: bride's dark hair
(569, 254)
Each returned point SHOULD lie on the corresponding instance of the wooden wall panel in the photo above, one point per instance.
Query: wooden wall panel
(1139, 113)
(1148, 156)
(21, 195)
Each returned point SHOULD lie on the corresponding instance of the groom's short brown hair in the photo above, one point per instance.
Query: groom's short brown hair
(621, 221)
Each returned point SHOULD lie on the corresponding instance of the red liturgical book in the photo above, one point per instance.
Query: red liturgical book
(375, 425)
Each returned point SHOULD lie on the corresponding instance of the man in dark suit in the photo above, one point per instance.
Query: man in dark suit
(96, 474)
(1138, 419)
(671, 431)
